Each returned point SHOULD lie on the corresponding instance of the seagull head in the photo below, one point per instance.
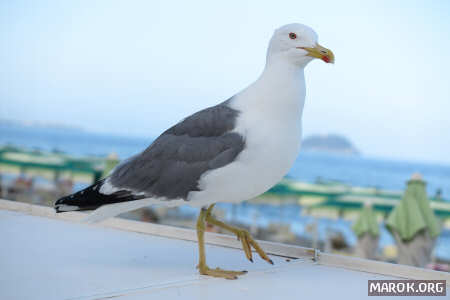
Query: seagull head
(298, 44)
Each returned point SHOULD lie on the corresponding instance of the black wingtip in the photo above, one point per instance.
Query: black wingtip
(91, 198)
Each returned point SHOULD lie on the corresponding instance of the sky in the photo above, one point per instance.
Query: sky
(137, 67)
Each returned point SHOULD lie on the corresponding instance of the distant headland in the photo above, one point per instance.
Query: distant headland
(330, 143)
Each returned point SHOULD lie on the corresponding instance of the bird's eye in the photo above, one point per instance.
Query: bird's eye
(292, 36)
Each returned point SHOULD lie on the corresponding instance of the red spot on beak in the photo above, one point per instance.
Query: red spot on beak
(326, 59)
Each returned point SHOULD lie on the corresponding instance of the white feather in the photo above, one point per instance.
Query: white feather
(270, 122)
(111, 210)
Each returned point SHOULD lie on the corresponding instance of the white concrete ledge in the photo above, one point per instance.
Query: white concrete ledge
(288, 251)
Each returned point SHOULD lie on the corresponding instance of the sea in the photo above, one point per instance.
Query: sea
(309, 167)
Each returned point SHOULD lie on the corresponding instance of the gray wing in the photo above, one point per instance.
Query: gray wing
(172, 165)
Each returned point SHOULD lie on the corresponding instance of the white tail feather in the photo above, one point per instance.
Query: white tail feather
(111, 210)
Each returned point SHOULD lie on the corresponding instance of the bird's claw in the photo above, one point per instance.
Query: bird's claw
(248, 242)
(217, 272)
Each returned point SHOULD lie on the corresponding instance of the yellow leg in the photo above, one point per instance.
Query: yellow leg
(242, 235)
(203, 268)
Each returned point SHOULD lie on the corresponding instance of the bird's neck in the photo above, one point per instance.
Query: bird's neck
(281, 74)
(279, 90)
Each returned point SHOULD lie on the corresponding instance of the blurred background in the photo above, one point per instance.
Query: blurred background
(85, 84)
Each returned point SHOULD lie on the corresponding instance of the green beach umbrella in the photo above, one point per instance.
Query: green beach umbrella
(366, 222)
(413, 214)
(367, 231)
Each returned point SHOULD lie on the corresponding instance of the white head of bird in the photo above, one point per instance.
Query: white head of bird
(296, 44)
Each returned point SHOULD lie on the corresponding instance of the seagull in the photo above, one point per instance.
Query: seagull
(230, 152)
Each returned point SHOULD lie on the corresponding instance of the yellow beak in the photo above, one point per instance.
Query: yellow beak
(320, 52)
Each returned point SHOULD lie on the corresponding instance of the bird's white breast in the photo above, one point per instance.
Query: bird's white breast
(270, 122)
